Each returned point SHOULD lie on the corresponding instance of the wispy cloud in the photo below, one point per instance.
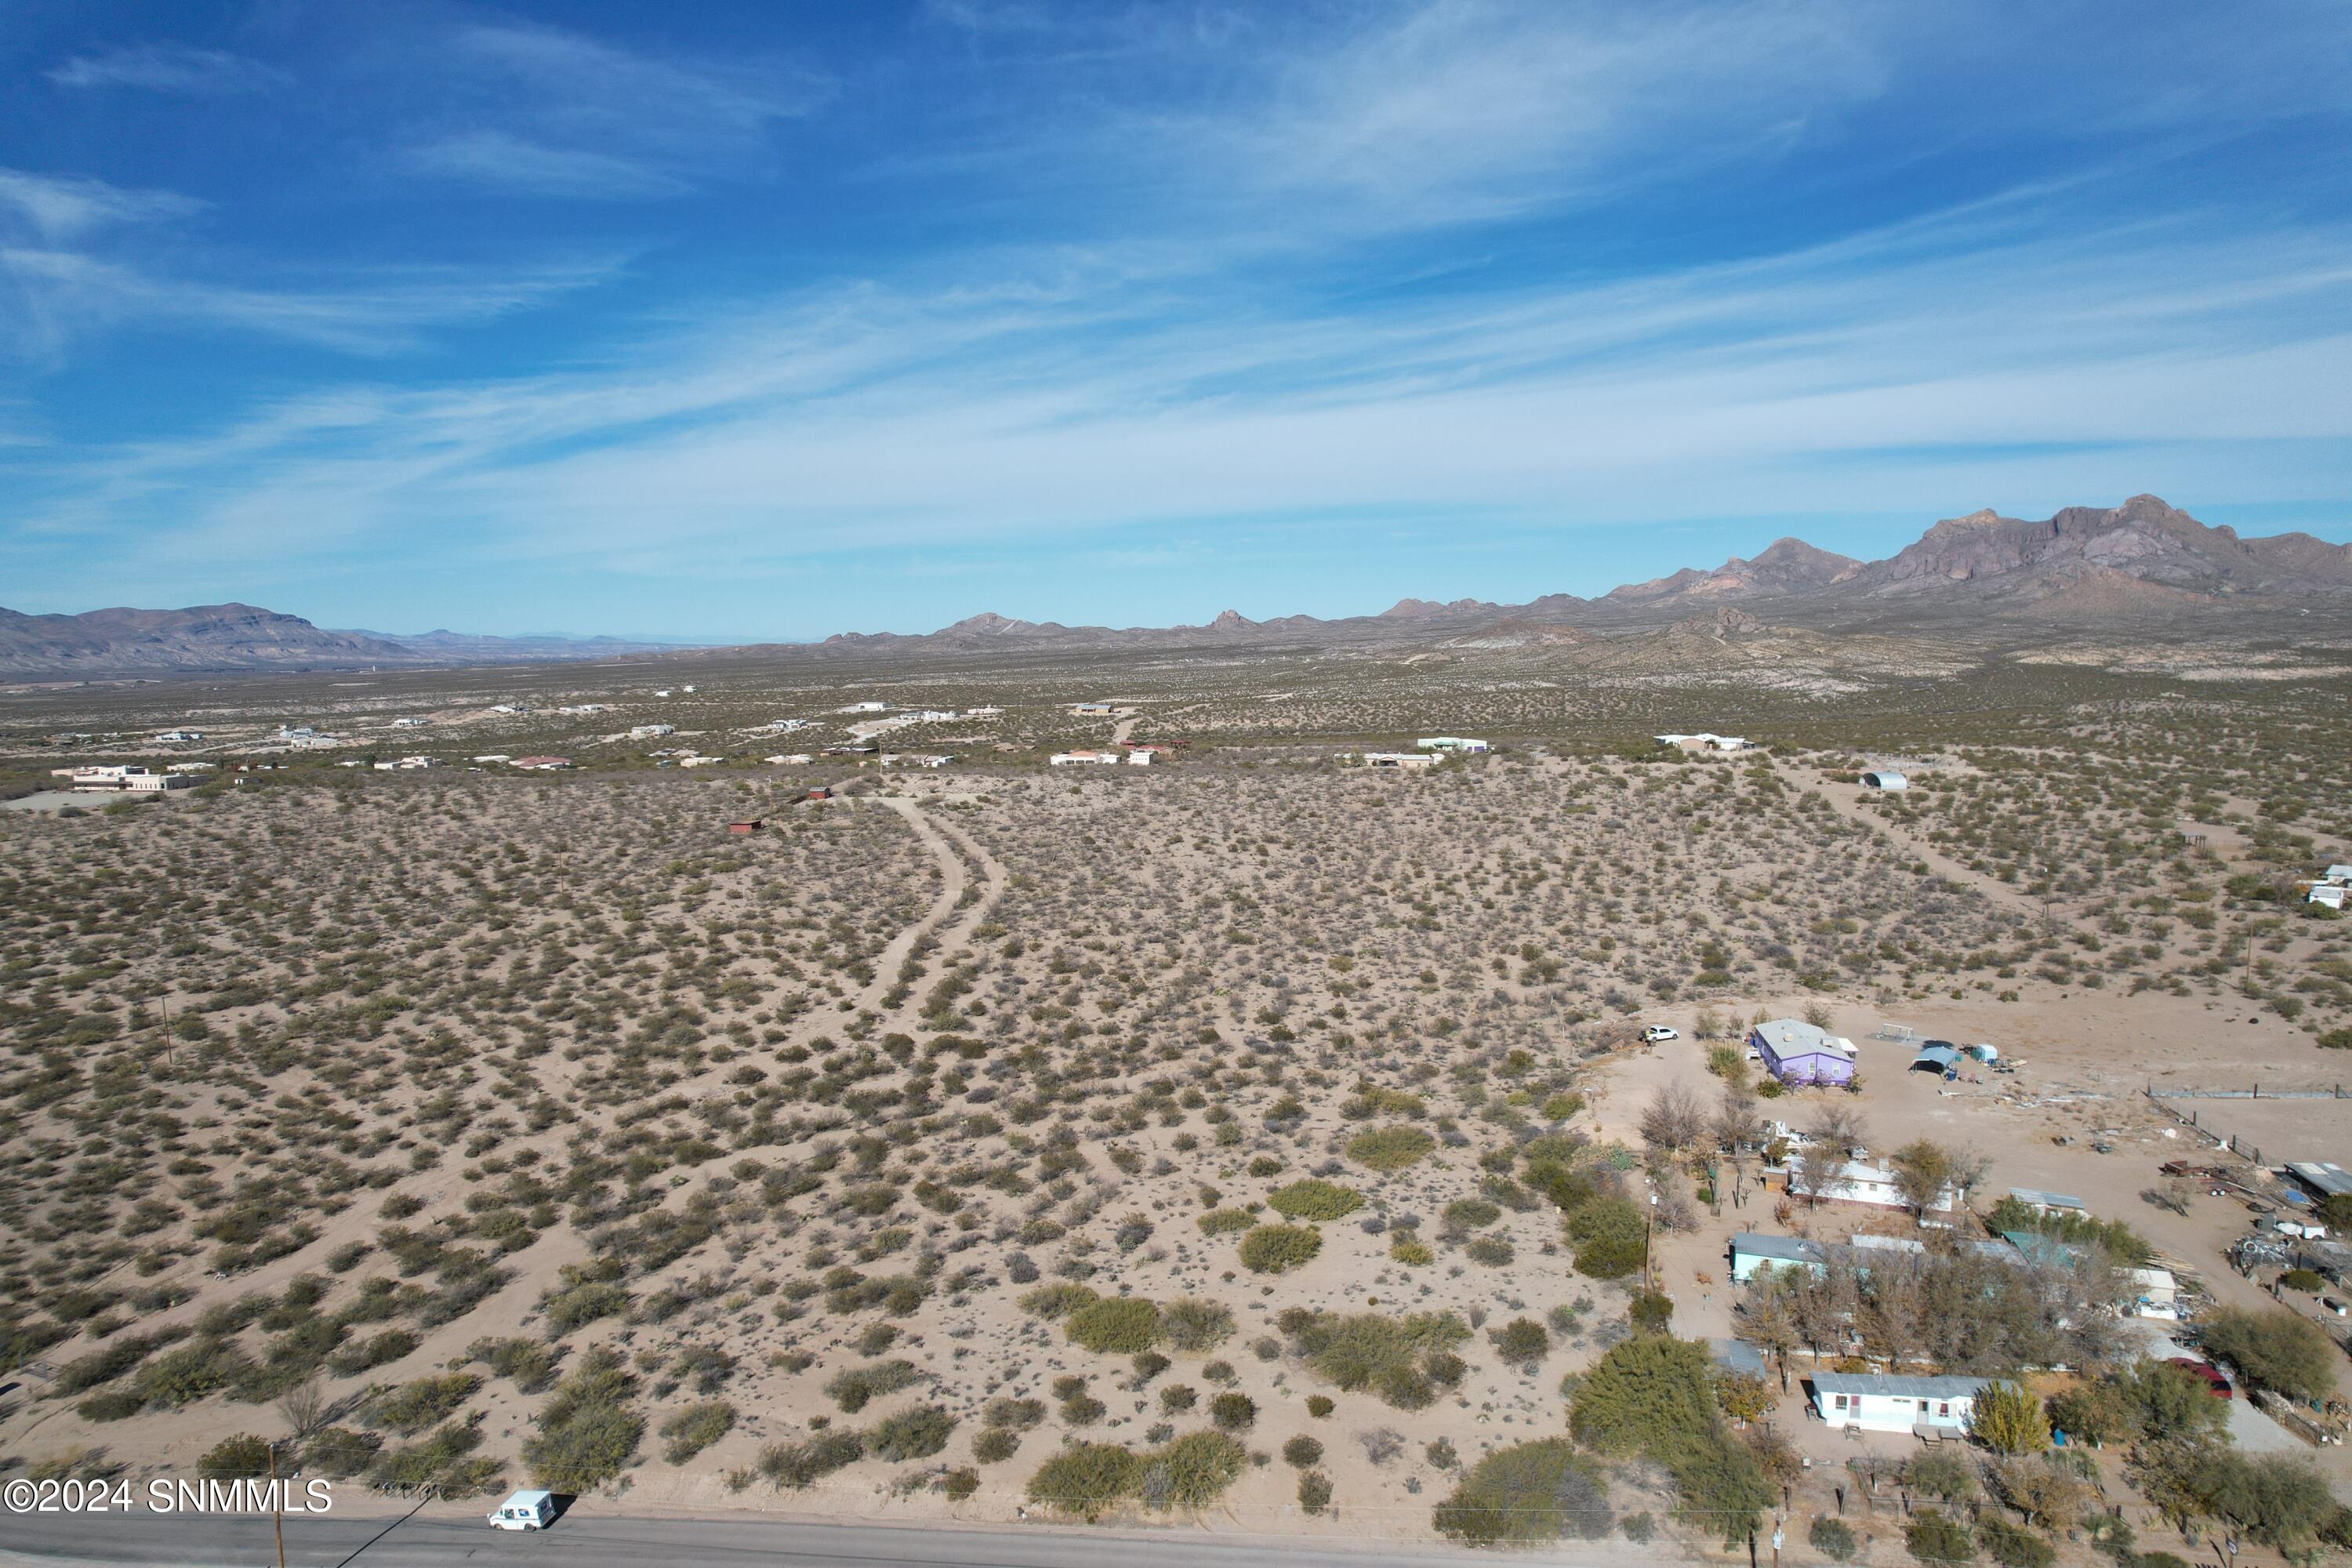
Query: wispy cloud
(59, 207)
(552, 112)
(168, 68)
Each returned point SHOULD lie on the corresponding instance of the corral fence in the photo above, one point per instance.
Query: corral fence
(2194, 1121)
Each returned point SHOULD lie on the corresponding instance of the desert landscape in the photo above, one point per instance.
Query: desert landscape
(804, 1082)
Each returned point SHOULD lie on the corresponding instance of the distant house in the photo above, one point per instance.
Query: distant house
(1752, 1255)
(751, 827)
(1142, 759)
(866, 708)
(1884, 779)
(179, 737)
(821, 791)
(2329, 895)
(2040, 1202)
(1070, 759)
(1881, 1403)
(1452, 744)
(1402, 759)
(647, 731)
(541, 765)
(2322, 1179)
(411, 723)
(1093, 710)
(2155, 1293)
(2339, 875)
(1858, 1181)
(1797, 1052)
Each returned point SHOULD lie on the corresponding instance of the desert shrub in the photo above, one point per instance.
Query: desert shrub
(1195, 1469)
(338, 1453)
(1313, 1492)
(1114, 1325)
(1225, 1222)
(1494, 1251)
(1410, 1250)
(2278, 1350)
(1193, 1325)
(1318, 1406)
(1390, 1149)
(1393, 1357)
(1543, 1491)
(2167, 1402)
(190, 1373)
(1650, 1312)
(2013, 1545)
(426, 1402)
(1946, 1477)
(529, 1363)
(1057, 1300)
(1521, 1340)
(1931, 1537)
(582, 1304)
(1304, 1452)
(995, 1444)
(854, 1388)
(1086, 1479)
(806, 1463)
(1176, 1398)
(103, 1365)
(1232, 1412)
(695, 1427)
(914, 1434)
(960, 1484)
(1013, 1415)
(1275, 1248)
(235, 1458)
(1472, 1213)
(587, 1431)
(119, 1405)
(1608, 1237)
(1083, 1409)
(1653, 1395)
(1314, 1199)
(1833, 1538)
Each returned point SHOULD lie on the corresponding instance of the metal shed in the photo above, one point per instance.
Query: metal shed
(1885, 778)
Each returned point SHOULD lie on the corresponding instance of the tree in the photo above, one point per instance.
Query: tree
(1766, 1322)
(1814, 1170)
(2041, 1493)
(1923, 1174)
(1735, 1121)
(2093, 1413)
(1840, 1126)
(1674, 1122)
(304, 1407)
(2163, 1402)
(2008, 1420)
(2275, 1350)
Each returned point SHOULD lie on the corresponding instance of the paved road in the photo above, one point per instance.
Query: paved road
(587, 1541)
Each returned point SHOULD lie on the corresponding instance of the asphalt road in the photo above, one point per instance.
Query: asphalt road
(51, 1541)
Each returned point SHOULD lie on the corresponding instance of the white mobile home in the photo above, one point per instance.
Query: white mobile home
(1883, 1402)
(1752, 1254)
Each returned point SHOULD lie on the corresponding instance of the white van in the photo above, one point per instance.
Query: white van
(524, 1511)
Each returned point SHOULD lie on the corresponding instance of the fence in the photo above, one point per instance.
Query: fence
(2231, 1140)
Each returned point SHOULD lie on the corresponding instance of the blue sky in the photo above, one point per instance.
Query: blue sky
(774, 321)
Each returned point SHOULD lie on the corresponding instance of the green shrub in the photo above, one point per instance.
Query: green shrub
(1933, 1538)
(1086, 1479)
(1195, 1469)
(1393, 1357)
(1057, 1300)
(103, 1365)
(1542, 1491)
(1472, 1213)
(695, 1427)
(1013, 1415)
(1833, 1538)
(1610, 1238)
(117, 1406)
(1303, 1453)
(1314, 1199)
(582, 1304)
(854, 1388)
(1313, 1492)
(1319, 1405)
(1114, 1325)
(1494, 1251)
(1521, 1340)
(995, 1444)
(338, 1453)
(1194, 1326)
(2008, 1419)
(1225, 1222)
(1947, 1478)
(1389, 1150)
(426, 1402)
(1275, 1248)
(1655, 1396)
(236, 1459)
(806, 1463)
(1232, 1412)
(2012, 1545)
(2277, 1348)
(587, 1432)
(530, 1363)
(914, 1434)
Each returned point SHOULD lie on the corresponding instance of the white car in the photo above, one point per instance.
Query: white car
(1656, 1032)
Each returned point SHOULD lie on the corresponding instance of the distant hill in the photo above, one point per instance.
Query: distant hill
(2144, 562)
(219, 639)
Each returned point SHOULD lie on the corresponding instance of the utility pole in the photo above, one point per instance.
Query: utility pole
(277, 1504)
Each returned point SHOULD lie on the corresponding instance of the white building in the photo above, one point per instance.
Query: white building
(179, 737)
(1858, 1181)
(2155, 1293)
(1706, 741)
(647, 731)
(981, 712)
(410, 723)
(792, 760)
(1092, 709)
(1883, 1403)
(1452, 744)
(2328, 894)
(1141, 759)
(1402, 758)
(1885, 780)
(865, 707)
(1068, 759)
(127, 779)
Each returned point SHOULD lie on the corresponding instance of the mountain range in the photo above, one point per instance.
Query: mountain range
(2143, 561)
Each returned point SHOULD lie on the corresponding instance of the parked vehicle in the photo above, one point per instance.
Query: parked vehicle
(1657, 1032)
(531, 1509)
(2215, 1383)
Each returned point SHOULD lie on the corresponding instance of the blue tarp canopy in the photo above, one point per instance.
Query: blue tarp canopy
(1943, 1058)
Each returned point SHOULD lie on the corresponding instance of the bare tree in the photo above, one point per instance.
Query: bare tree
(304, 1407)
(1675, 1121)
(1766, 1320)
(1840, 1126)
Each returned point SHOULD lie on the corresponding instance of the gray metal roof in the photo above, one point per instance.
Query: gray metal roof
(1790, 1248)
(1887, 1386)
(1942, 1056)
(2047, 1200)
(2322, 1176)
(1736, 1355)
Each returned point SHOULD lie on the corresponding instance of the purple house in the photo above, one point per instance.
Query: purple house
(1797, 1052)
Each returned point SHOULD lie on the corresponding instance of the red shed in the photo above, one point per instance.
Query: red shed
(751, 827)
(822, 792)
